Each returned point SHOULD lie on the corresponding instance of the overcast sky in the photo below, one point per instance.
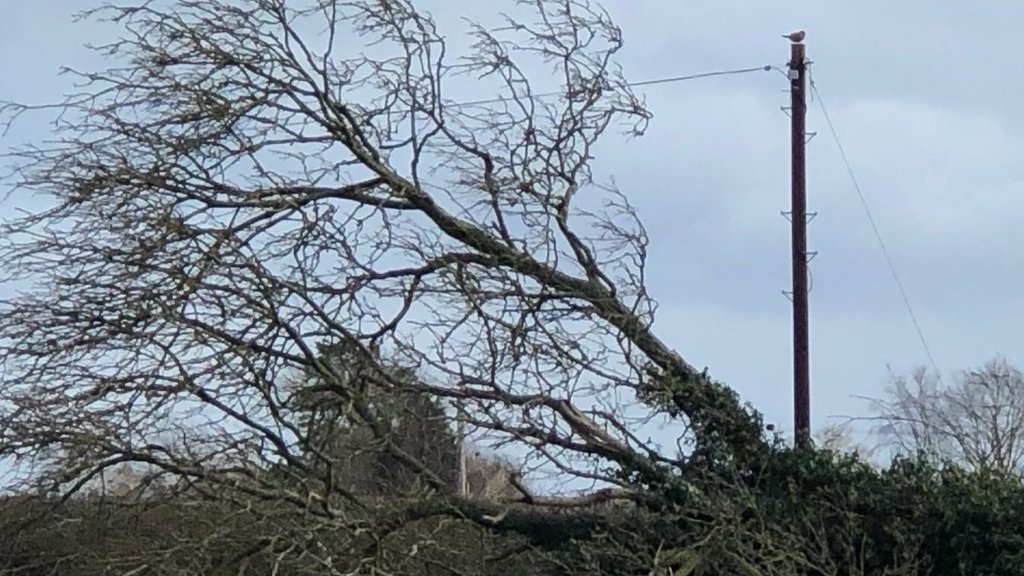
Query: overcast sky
(926, 97)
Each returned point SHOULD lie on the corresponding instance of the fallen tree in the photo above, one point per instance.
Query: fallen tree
(252, 180)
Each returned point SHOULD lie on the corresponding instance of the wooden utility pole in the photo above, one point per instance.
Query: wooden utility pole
(798, 218)
(463, 472)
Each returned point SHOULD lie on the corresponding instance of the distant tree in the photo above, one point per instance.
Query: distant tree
(839, 437)
(975, 419)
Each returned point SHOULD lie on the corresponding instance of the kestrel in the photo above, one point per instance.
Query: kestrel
(797, 36)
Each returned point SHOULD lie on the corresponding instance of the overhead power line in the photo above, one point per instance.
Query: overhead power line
(652, 82)
(874, 228)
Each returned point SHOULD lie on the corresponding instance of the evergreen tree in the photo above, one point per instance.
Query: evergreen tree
(357, 417)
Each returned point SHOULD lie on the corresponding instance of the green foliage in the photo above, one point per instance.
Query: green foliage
(817, 512)
(721, 425)
(915, 517)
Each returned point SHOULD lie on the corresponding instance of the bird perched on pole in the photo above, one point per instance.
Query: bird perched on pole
(797, 36)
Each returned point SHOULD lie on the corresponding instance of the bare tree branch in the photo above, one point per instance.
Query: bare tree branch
(250, 180)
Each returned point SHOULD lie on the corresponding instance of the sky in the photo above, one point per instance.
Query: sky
(925, 97)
